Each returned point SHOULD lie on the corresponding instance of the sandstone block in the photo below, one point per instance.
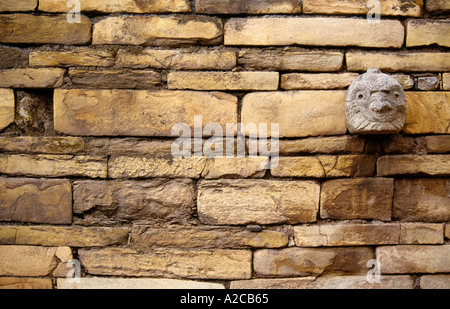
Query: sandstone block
(12, 57)
(438, 143)
(331, 144)
(35, 200)
(348, 165)
(129, 146)
(168, 263)
(299, 167)
(7, 108)
(446, 81)
(421, 233)
(79, 56)
(39, 29)
(300, 114)
(18, 5)
(236, 167)
(428, 32)
(42, 144)
(138, 113)
(437, 6)
(31, 78)
(313, 31)
(223, 80)
(15, 283)
(317, 81)
(433, 282)
(369, 198)
(248, 7)
(243, 202)
(413, 259)
(152, 30)
(429, 165)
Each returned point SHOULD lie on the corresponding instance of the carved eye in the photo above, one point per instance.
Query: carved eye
(396, 94)
(361, 95)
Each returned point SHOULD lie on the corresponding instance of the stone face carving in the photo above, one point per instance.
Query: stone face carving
(375, 104)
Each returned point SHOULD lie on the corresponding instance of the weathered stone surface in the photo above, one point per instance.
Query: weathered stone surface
(428, 83)
(348, 165)
(31, 78)
(367, 198)
(138, 112)
(326, 282)
(248, 7)
(429, 165)
(406, 81)
(291, 59)
(11, 57)
(236, 167)
(426, 32)
(15, 283)
(223, 80)
(243, 202)
(299, 113)
(399, 62)
(35, 200)
(176, 59)
(34, 112)
(53, 165)
(434, 282)
(437, 6)
(128, 146)
(152, 30)
(446, 81)
(150, 201)
(31, 261)
(412, 259)
(114, 79)
(421, 233)
(18, 5)
(427, 112)
(73, 236)
(422, 199)
(438, 143)
(94, 283)
(79, 56)
(302, 262)
(447, 231)
(313, 31)
(118, 6)
(207, 237)
(7, 108)
(42, 144)
(331, 144)
(168, 263)
(298, 167)
(39, 29)
(294, 81)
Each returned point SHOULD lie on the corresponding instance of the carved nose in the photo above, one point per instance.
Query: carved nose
(381, 107)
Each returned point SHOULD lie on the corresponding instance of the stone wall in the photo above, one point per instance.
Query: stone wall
(87, 173)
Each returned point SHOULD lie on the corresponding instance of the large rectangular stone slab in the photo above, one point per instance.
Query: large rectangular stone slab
(7, 107)
(426, 32)
(79, 56)
(42, 144)
(32, 78)
(18, 5)
(138, 112)
(424, 165)
(248, 7)
(324, 81)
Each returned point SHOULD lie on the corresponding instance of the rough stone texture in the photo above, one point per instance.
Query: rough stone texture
(433, 282)
(248, 7)
(422, 199)
(31, 78)
(331, 144)
(138, 113)
(299, 167)
(98, 283)
(294, 81)
(235, 167)
(176, 59)
(18, 5)
(427, 112)
(119, 6)
(153, 201)
(243, 202)
(425, 32)
(412, 259)
(14, 283)
(207, 237)
(223, 80)
(129, 146)
(300, 114)
(437, 6)
(53, 165)
(168, 263)
(24, 28)
(79, 56)
(42, 144)
(34, 112)
(446, 81)
(348, 165)
(35, 200)
(390, 7)
(421, 233)
(152, 30)
(7, 108)
(429, 165)
(313, 31)
(399, 62)
(302, 262)
(290, 59)
(428, 83)
(369, 198)
(11, 57)
(438, 143)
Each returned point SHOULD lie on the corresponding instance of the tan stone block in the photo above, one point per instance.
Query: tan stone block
(32, 78)
(428, 32)
(7, 107)
(128, 146)
(313, 31)
(236, 167)
(411, 259)
(298, 113)
(40, 29)
(302, 262)
(138, 112)
(433, 282)
(36, 200)
(53, 165)
(298, 167)
(18, 5)
(118, 6)
(223, 80)
(79, 56)
(366, 198)
(243, 202)
(331, 144)
(152, 30)
(421, 233)
(42, 144)
(116, 79)
(168, 263)
(348, 165)
(177, 59)
(430, 165)
(437, 6)
(14, 283)
(447, 231)
(248, 7)
(317, 81)
(291, 60)
(446, 81)
(422, 199)
(399, 62)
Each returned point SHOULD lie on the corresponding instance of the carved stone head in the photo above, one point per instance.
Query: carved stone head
(375, 104)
